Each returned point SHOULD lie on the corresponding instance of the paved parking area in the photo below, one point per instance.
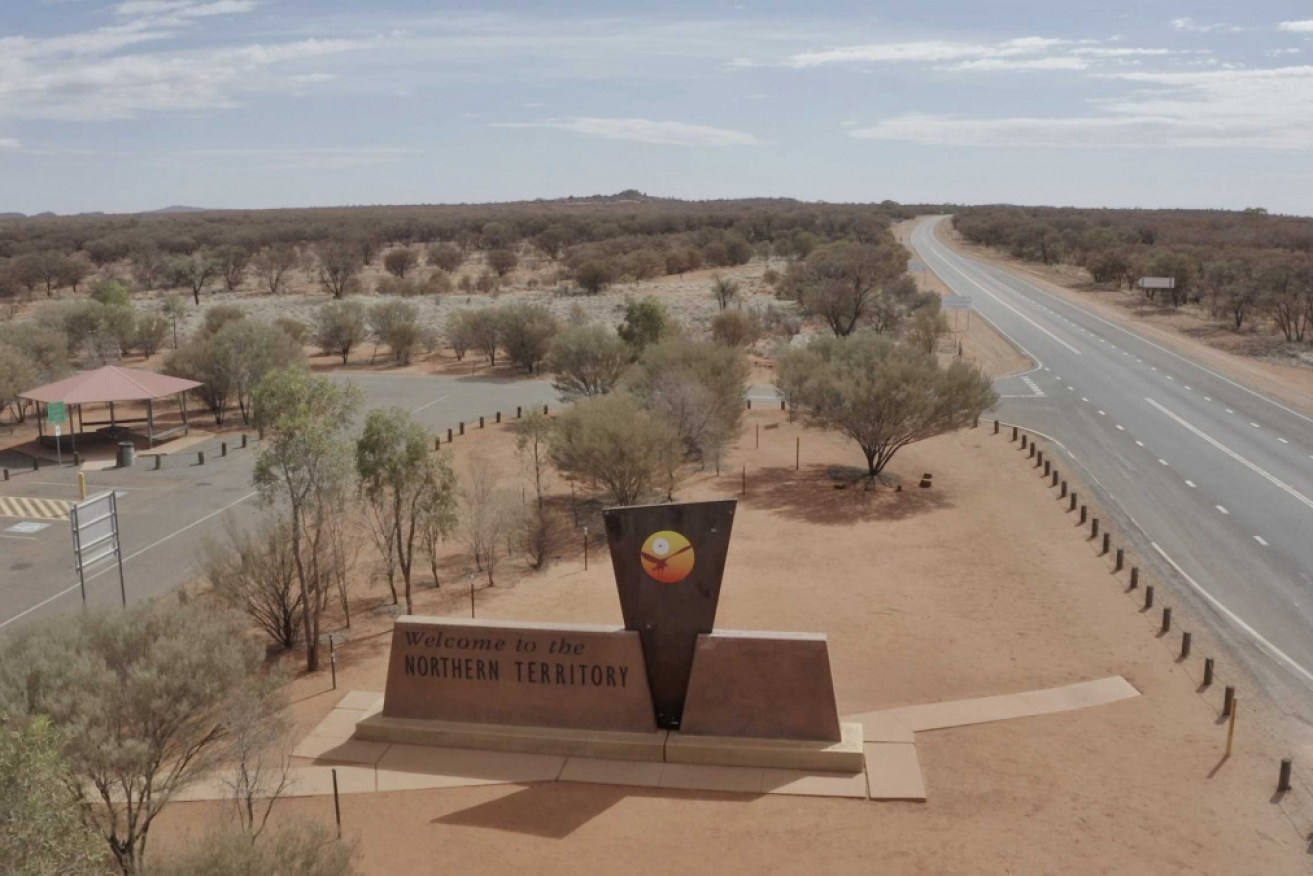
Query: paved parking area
(166, 515)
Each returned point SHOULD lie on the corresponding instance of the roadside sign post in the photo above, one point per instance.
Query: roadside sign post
(57, 416)
(955, 303)
(95, 525)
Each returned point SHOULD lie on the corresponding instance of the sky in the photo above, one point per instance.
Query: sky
(138, 104)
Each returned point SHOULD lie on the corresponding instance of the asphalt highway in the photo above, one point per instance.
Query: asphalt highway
(1212, 480)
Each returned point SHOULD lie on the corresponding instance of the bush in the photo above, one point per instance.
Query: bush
(151, 330)
(696, 387)
(527, 331)
(646, 322)
(17, 374)
(340, 326)
(615, 442)
(400, 262)
(112, 293)
(594, 275)
(293, 328)
(306, 848)
(735, 328)
(255, 573)
(218, 316)
(395, 323)
(588, 361)
(502, 261)
(446, 257)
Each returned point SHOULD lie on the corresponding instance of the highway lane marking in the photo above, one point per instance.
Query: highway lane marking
(1191, 485)
(1263, 643)
(1261, 472)
(1162, 462)
(1139, 443)
(1084, 399)
(1160, 348)
(429, 405)
(1223, 510)
(1256, 426)
(1229, 411)
(1121, 428)
(964, 276)
(1259, 539)
(1206, 398)
(1283, 441)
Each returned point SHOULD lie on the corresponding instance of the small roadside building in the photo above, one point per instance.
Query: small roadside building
(106, 387)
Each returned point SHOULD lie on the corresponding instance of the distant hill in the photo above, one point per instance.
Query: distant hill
(13, 215)
(178, 208)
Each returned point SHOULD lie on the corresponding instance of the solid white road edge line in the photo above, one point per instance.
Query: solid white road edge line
(1263, 644)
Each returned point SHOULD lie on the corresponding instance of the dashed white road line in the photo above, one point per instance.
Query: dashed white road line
(1162, 462)
(1139, 443)
(1222, 509)
(1121, 428)
(1260, 540)
(1261, 472)
(1191, 484)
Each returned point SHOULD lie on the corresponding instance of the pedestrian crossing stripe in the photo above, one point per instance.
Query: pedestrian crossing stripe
(34, 509)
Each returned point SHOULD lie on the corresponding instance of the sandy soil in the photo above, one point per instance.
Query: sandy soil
(981, 585)
(1246, 357)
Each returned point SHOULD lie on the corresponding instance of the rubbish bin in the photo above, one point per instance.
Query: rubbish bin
(127, 454)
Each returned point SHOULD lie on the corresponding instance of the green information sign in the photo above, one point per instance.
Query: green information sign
(57, 412)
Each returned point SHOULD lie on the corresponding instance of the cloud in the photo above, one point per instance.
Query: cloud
(1296, 26)
(643, 131)
(1020, 54)
(10, 143)
(1221, 108)
(181, 9)
(1189, 25)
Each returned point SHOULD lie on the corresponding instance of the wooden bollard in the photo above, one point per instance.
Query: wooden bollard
(1208, 671)
(1228, 701)
(1094, 528)
(519, 412)
(1084, 511)
(749, 404)
(1073, 501)
(975, 423)
(200, 457)
(1024, 441)
(996, 427)
(1054, 482)
(756, 431)
(1039, 459)
(745, 480)
(1014, 433)
(6, 471)
(1230, 727)
(437, 441)
(1107, 543)
(480, 422)
(1121, 559)
(544, 410)
(158, 457)
(1148, 597)
(462, 428)
(1135, 577)
(498, 420)
(223, 448)
(1167, 621)
(36, 464)
(1185, 645)
(77, 459)
(244, 439)
(1283, 777)
(1048, 468)
(782, 405)
(1033, 448)
(448, 436)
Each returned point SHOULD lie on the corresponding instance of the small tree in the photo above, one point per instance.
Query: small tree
(398, 476)
(194, 273)
(724, 290)
(489, 515)
(588, 361)
(614, 441)
(254, 572)
(533, 440)
(527, 331)
(927, 326)
(646, 322)
(305, 467)
(273, 264)
(150, 331)
(42, 830)
(485, 331)
(882, 394)
(696, 387)
(340, 326)
(141, 699)
(841, 282)
(395, 323)
(502, 261)
(17, 374)
(400, 262)
(339, 267)
(445, 256)
(459, 331)
(174, 308)
(594, 275)
(233, 260)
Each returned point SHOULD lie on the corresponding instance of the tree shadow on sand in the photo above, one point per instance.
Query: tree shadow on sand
(830, 495)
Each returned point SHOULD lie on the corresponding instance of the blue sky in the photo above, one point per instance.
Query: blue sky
(136, 104)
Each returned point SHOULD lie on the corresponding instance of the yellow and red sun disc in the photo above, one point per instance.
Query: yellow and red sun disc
(667, 556)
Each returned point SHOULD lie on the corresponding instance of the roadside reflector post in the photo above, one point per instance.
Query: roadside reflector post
(797, 456)
(332, 660)
(337, 805)
(82, 485)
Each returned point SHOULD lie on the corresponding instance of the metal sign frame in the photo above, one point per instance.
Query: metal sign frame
(95, 528)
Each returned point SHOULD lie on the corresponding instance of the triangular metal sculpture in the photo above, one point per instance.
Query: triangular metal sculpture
(668, 562)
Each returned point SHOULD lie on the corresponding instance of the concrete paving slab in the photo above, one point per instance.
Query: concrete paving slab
(612, 772)
(340, 724)
(1080, 696)
(696, 777)
(960, 713)
(331, 749)
(882, 727)
(893, 772)
(806, 784)
(317, 781)
(363, 700)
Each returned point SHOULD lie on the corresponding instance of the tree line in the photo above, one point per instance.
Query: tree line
(1246, 268)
